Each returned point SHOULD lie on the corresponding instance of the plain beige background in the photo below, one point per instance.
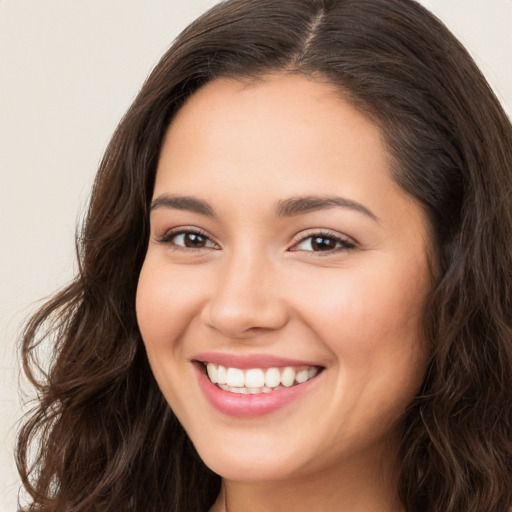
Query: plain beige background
(68, 71)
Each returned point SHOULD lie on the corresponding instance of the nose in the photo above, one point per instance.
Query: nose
(245, 299)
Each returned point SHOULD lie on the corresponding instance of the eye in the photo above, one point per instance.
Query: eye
(188, 239)
(323, 242)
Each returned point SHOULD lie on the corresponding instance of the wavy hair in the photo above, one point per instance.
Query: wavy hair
(102, 438)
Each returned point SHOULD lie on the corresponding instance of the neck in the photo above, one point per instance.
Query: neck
(354, 486)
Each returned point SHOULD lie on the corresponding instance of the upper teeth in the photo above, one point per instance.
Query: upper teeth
(258, 379)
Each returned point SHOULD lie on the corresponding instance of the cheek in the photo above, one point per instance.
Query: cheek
(165, 307)
(165, 304)
(371, 322)
(371, 317)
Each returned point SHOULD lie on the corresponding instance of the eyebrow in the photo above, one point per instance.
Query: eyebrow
(305, 204)
(285, 208)
(188, 203)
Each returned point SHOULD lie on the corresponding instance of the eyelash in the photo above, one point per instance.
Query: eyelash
(342, 243)
(168, 237)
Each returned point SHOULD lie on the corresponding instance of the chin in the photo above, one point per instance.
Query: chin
(252, 464)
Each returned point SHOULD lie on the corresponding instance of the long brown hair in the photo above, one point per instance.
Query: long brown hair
(101, 436)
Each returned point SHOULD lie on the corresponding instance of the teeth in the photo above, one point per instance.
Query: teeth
(235, 378)
(254, 378)
(258, 380)
(272, 377)
(288, 376)
(301, 376)
(221, 375)
(211, 369)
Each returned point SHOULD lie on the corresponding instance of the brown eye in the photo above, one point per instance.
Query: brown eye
(189, 240)
(194, 240)
(323, 243)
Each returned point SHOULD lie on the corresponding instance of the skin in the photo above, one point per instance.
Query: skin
(257, 285)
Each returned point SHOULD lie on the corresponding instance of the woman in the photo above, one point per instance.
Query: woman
(294, 287)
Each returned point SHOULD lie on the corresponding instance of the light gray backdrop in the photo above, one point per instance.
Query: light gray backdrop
(68, 71)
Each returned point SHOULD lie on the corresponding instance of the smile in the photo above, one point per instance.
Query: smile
(258, 380)
(254, 385)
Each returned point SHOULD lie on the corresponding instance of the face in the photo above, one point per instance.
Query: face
(285, 261)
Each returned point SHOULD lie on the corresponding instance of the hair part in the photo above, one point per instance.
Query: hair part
(102, 437)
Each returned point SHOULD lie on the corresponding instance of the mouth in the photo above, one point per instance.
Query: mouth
(248, 386)
(255, 381)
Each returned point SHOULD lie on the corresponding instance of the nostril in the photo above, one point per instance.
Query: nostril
(244, 319)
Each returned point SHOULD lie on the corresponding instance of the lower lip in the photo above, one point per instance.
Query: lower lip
(236, 404)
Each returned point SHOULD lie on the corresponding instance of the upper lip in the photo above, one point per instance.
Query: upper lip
(247, 361)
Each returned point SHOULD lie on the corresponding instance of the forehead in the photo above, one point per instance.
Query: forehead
(280, 123)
